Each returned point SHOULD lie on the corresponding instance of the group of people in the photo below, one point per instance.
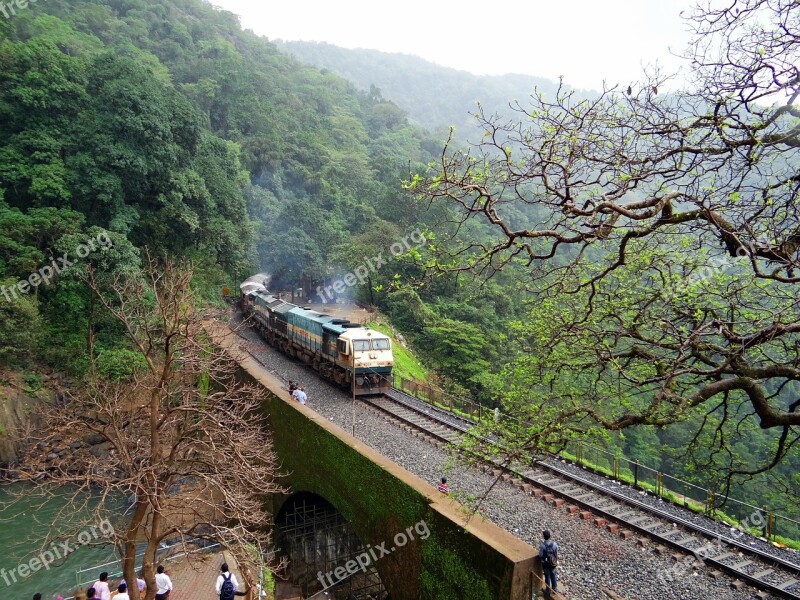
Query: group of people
(296, 392)
(227, 587)
(102, 589)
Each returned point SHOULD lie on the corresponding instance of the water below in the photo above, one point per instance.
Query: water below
(23, 531)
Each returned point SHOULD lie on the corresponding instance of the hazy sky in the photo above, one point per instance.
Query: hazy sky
(586, 41)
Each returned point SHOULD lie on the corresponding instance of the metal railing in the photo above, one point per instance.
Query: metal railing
(437, 397)
(114, 569)
(746, 517)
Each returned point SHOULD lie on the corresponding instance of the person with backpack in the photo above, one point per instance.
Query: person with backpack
(227, 586)
(548, 554)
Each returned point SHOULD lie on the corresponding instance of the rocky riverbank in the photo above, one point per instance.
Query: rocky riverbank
(21, 400)
(18, 401)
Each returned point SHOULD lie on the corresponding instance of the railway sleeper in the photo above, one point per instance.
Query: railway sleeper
(672, 532)
(726, 556)
(685, 542)
(639, 519)
(788, 584)
(569, 488)
(763, 573)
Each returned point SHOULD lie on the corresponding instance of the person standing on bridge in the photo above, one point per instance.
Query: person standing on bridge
(227, 587)
(548, 554)
(101, 589)
(300, 395)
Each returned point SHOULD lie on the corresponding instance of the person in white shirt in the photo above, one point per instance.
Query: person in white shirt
(163, 584)
(101, 589)
(140, 583)
(122, 592)
(300, 395)
(222, 577)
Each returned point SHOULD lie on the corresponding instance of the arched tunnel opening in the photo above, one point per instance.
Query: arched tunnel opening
(326, 559)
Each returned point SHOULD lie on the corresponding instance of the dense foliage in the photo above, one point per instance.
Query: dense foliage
(434, 97)
(138, 123)
(659, 238)
(164, 125)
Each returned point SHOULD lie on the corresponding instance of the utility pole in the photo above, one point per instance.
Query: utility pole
(353, 349)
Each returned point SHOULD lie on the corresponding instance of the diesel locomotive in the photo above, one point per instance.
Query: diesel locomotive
(346, 353)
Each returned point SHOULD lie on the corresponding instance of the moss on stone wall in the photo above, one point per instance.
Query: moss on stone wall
(450, 563)
(444, 576)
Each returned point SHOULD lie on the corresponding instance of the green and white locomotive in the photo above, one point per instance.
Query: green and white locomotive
(346, 353)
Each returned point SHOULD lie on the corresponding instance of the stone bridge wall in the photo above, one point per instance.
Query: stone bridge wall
(475, 561)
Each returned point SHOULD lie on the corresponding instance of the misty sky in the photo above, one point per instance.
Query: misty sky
(586, 41)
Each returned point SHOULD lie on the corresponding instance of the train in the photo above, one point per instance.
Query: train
(349, 354)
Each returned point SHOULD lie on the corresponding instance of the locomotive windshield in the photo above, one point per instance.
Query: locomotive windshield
(364, 345)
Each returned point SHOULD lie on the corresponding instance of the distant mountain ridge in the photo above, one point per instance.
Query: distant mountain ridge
(434, 97)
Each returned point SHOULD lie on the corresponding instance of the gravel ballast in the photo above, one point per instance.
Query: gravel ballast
(590, 558)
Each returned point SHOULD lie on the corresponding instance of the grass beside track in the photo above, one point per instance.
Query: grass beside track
(405, 363)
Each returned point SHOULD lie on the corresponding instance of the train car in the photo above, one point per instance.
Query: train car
(347, 353)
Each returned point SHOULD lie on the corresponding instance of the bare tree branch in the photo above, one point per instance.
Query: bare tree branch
(181, 441)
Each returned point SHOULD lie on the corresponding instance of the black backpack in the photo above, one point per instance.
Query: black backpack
(226, 592)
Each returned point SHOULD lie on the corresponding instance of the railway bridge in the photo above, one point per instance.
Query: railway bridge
(356, 521)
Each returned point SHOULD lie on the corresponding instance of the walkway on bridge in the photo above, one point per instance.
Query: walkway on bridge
(195, 578)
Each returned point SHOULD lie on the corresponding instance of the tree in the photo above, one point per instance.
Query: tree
(20, 327)
(714, 162)
(660, 233)
(183, 439)
(458, 347)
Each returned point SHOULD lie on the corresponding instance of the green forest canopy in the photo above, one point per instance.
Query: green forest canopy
(163, 124)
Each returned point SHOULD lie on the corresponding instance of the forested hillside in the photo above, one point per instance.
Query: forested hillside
(655, 240)
(163, 124)
(434, 96)
(552, 356)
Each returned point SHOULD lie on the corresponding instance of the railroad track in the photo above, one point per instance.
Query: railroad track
(722, 554)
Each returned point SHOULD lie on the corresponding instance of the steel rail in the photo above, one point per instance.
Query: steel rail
(445, 420)
(729, 547)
